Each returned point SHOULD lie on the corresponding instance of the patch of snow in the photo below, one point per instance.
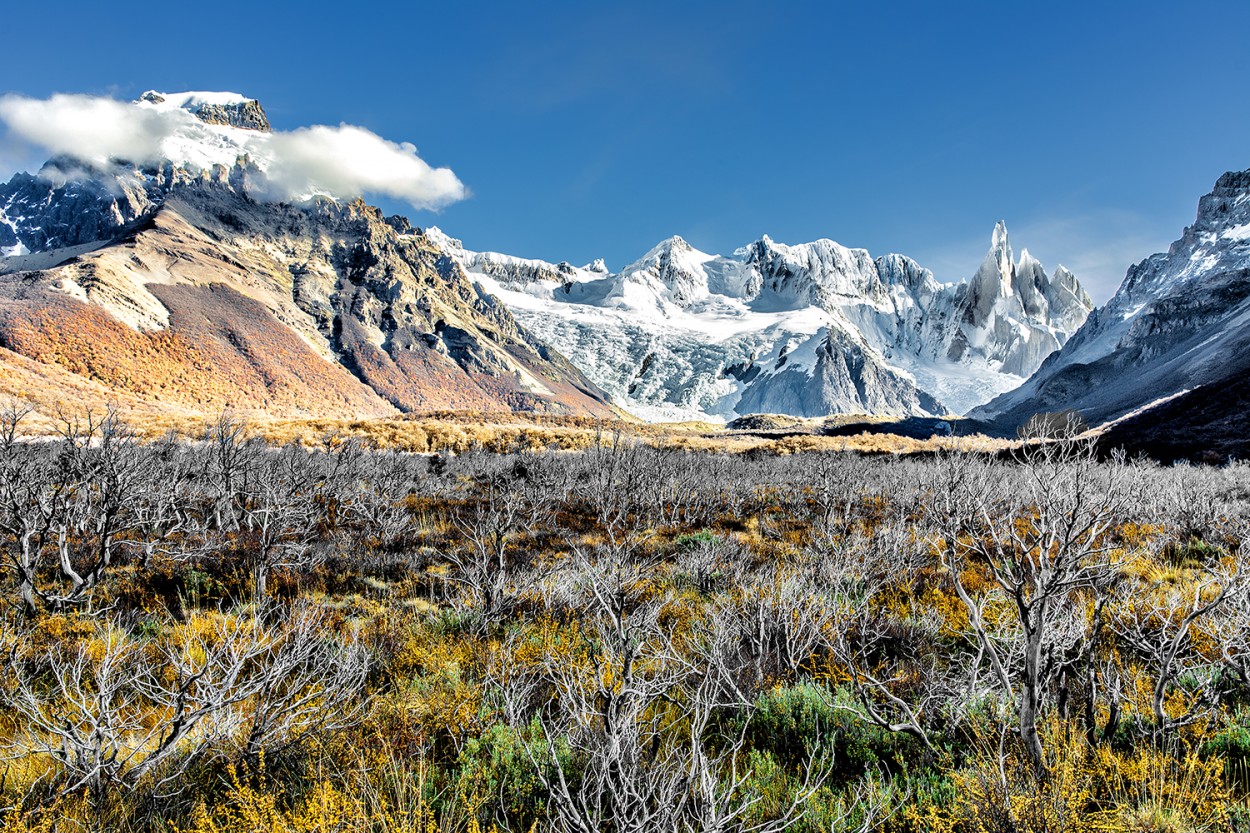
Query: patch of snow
(18, 249)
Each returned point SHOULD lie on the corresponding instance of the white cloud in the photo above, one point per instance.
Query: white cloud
(349, 160)
(90, 128)
(342, 162)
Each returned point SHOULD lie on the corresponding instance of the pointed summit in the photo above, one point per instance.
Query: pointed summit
(443, 240)
(673, 268)
(670, 245)
(1013, 313)
(995, 278)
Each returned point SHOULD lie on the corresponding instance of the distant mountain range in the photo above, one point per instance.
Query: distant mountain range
(805, 330)
(183, 285)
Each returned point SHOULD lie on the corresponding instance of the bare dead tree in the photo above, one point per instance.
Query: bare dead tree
(636, 705)
(230, 454)
(1038, 546)
(276, 510)
(899, 678)
(1158, 623)
(604, 710)
(310, 683)
(782, 621)
(377, 499)
(64, 505)
(505, 505)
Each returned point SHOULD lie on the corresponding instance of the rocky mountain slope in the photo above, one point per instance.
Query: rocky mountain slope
(1176, 334)
(806, 330)
(172, 285)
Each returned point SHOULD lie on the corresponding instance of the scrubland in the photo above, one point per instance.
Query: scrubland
(210, 630)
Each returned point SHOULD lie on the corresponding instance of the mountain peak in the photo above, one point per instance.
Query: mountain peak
(223, 108)
(667, 251)
(999, 240)
(995, 277)
(674, 243)
(444, 241)
(1234, 181)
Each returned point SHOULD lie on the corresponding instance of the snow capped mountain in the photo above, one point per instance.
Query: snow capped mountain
(810, 329)
(72, 201)
(1015, 316)
(1180, 321)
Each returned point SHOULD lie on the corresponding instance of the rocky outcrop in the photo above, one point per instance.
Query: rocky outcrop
(246, 114)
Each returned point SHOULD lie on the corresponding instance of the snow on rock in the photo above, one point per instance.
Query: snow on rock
(809, 329)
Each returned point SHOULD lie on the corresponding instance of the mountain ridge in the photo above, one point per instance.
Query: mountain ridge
(808, 329)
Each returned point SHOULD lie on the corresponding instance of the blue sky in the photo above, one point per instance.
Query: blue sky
(592, 130)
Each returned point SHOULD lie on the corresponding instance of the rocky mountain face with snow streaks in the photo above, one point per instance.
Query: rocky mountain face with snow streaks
(1178, 329)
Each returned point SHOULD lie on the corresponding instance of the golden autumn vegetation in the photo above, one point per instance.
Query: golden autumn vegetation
(301, 627)
(435, 432)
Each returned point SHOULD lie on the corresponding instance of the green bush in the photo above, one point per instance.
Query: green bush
(796, 722)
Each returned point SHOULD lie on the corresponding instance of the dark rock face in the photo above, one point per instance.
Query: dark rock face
(67, 205)
(70, 203)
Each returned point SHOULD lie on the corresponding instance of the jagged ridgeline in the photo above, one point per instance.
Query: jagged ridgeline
(805, 330)
(174, 286)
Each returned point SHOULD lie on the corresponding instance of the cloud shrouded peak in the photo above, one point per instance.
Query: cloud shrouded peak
(343, 161)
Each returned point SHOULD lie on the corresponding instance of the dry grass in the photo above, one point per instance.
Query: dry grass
(459, 431)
